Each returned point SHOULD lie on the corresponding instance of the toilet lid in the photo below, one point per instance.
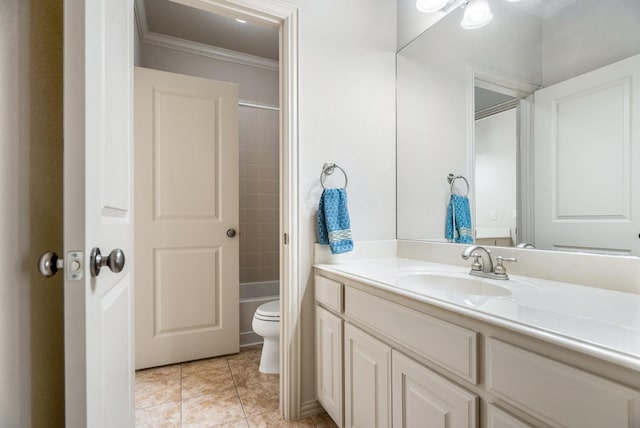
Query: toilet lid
(270, 309)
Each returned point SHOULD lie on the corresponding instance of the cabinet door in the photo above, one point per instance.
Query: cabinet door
(329, 363)
(367, 380)
(422, 398)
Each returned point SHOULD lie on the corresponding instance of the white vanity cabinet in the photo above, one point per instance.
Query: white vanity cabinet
(378, 378)
(388, 360)
(329, 387)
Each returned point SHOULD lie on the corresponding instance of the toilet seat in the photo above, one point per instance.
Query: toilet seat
(269, 311)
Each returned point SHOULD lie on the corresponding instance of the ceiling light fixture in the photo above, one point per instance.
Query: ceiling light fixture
(476, 14)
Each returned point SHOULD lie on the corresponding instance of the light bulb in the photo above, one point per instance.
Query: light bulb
(477, 14)
(428, 6)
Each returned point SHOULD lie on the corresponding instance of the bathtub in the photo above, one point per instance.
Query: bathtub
(252, 295)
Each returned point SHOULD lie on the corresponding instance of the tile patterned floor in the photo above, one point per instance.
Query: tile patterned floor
(224, 392)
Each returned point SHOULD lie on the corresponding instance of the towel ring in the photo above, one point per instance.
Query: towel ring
(328, 169)
(452, 181)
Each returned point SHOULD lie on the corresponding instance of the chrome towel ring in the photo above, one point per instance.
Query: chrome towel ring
(328, 169)
(451, 178)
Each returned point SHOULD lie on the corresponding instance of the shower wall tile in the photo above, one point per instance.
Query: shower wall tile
(259, 193)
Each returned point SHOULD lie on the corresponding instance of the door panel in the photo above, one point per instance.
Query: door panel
(367, 375)
(98, 188)
(186, 183)
(587, 144)
(422, 398)
(329, 363)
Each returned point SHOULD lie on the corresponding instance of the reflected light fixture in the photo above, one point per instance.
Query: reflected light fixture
(429, 6)
(476, 14)
(242, 21)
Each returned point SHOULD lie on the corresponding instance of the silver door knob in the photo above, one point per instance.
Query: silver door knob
(114, 261)
(231, 233)
(49, 263)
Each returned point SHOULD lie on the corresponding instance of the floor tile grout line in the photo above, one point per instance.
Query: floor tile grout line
(240, 365)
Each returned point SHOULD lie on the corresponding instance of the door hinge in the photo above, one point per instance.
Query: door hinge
(286, 239)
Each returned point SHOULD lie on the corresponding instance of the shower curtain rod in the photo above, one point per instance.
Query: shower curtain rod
(243, 103)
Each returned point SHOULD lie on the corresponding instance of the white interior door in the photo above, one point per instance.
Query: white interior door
(186, 185)
(98, 71)
(587, 161)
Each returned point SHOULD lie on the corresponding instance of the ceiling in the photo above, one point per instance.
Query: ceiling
(543, 8)
(187, 23)
(485, 98)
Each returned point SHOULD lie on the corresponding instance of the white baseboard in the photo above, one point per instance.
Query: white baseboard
(310, 408)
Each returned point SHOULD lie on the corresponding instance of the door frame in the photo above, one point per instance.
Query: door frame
(522, 90)
(285, 18)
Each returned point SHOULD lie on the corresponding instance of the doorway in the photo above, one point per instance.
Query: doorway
(499, 103)
(284, 18)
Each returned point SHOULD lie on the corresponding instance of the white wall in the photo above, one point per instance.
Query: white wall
(434, 95)
(609, 31)
(496, 181)
(31, 329)
(347, 116)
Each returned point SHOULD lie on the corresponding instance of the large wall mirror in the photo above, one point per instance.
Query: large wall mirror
(539, 112)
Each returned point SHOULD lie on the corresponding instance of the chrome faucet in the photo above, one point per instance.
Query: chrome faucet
(487, 264)
(485, 269)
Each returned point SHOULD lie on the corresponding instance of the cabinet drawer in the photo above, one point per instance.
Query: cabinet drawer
(329, 293)
(448, 345)
(556, 393)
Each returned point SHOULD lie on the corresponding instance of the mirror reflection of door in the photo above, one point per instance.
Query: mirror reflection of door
(496, 154)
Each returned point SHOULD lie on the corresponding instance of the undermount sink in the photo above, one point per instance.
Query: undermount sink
(452, 282)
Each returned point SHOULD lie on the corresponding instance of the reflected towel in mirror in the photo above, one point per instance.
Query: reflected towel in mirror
(459, 227)
(334, 226)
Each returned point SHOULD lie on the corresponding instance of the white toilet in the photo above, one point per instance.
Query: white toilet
(266, 323)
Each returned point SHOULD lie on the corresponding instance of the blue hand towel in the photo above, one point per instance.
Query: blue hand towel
(459, 220)
(334, 227)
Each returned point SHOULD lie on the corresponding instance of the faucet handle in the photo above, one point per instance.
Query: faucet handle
(499, 269)
(476, 265)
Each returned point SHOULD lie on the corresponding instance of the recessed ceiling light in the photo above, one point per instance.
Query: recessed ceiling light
(242, 21)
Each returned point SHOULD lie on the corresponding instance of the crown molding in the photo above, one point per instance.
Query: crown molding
(196, 48)
(162, 40)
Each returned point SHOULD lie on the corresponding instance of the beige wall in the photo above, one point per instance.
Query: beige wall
(256, 84)
(31, 330)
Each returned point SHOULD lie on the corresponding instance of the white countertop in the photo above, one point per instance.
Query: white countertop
(598, 322)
